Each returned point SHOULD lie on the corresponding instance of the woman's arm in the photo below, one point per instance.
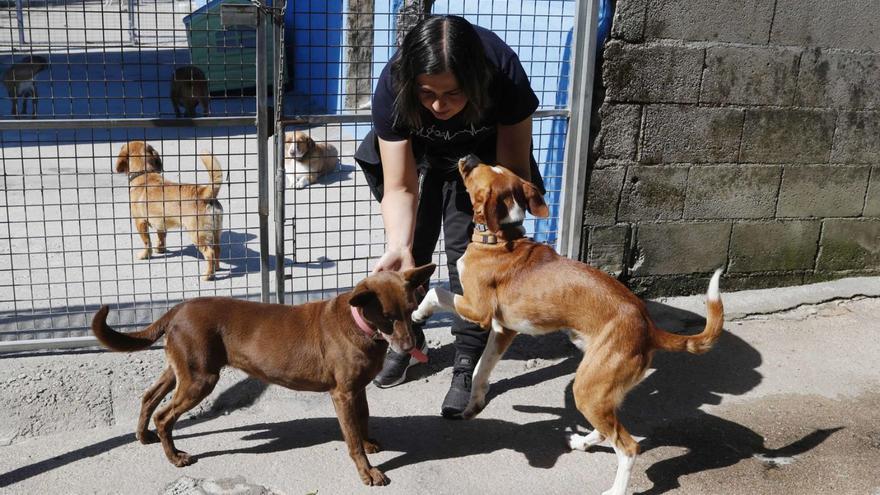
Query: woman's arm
(399, 202)
(514, 147)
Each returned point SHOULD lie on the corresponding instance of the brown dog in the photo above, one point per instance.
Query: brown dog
(317, 347)
(189, 88)
(513, 284)
(162, 204)
(19, 82)
(306, 160)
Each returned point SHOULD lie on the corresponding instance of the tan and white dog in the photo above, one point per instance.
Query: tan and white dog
(306, 160)
(513, 284)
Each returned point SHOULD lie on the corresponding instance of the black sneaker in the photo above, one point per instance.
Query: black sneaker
(459, 394)
(394, 369)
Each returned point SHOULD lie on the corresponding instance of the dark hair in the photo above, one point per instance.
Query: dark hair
(435, 45)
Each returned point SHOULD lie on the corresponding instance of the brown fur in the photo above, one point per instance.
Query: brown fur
(163, 204)
(313, 347)
(189, 88)
(19, 82)
(519, 285)
(306, 160)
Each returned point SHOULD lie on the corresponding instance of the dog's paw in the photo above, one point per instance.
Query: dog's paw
(208, 277)
(374, 477)
(182, 459)
(161, 250)
(302, 182)
(473, 409)
(584, 442)
(145, 254)
(371, 446)
(147, 437)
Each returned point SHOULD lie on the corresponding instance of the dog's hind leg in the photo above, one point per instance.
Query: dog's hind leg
(192, 387)
(362, 412)
(499, 340)
(143, 228)
(161, 246)
(345, 403)
(150, 401)
(597, 393)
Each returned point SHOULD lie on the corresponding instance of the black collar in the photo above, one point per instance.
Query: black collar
(134, 175)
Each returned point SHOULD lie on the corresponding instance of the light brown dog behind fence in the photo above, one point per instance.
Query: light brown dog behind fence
(163, 204)
(306, 160)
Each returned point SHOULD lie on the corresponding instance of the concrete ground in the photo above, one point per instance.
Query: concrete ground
(787, 402)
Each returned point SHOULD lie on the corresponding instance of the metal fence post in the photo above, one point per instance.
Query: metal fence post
(19, 16)
(577, 146)
(262, 155)
(278, 89)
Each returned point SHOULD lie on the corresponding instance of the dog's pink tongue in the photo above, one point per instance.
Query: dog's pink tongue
(419, 355)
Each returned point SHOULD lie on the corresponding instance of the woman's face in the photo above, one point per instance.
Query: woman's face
(440, 94)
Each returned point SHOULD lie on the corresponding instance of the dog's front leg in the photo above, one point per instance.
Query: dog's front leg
(444, 300)
(499, 340)
(345, 404)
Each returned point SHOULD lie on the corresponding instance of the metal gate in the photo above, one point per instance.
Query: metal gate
(101, 74)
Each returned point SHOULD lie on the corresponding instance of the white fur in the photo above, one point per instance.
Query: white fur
(714, 293)
(436, 299)
(480, 384)
(521, 326)
(583, 442)
(497, 170)
(624, 471)
(514, 215)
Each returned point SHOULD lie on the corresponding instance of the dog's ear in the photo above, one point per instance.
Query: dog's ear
(362, 295)
(535, 201)
(494, 211)
(419, 276)
(154, 161)
(122, 159)
(467, 165)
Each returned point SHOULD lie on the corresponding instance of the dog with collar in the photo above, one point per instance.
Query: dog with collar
(163, 204)
(512, 284)
(306, 160)
(337, 345)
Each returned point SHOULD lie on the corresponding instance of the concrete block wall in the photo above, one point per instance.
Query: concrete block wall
(738, 134)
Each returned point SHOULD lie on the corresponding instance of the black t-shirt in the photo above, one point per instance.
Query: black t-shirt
(444, 142)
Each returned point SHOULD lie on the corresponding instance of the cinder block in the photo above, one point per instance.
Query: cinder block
(653, 193)
(750, 75)
(857, 139)
(689, 134)
(848, 25)
(629, 20)
(872, 201)
(850, 244)
(787, 136)
(608, 248)
(672, 248)
(732, 191)
(603, 195)
(652, 73)
(746, 21)
(619, 132)
(839, 79)
(774, 246)
(822, 191)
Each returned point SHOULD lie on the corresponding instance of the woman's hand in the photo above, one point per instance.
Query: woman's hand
(395, 260)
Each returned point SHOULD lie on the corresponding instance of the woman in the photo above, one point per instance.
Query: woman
(451, 89)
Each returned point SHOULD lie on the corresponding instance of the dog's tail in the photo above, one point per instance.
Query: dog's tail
(702, 342)
(128, 342)
(212, 165)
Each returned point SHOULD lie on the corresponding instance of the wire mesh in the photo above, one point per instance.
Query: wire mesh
(335, 226)
(68, 240)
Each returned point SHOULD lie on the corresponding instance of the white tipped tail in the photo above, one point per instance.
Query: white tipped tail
(714, 293)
